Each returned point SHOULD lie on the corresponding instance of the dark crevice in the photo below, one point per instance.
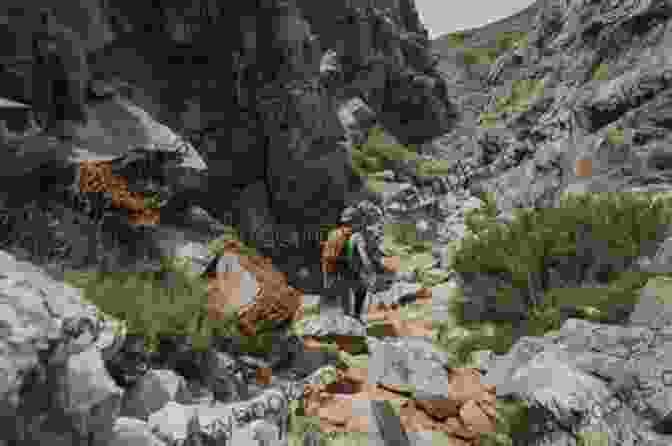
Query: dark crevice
(601, 118)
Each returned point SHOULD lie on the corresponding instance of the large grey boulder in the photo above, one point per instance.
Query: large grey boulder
(594, 377)
(54, 344)
(411, 362)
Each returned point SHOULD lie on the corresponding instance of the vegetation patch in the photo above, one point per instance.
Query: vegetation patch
(432, 168)
(615, 136)
(231, 233)
(663, 286)
(479, 56)
(431, 277)
(149, 309)
(601, 73)
(378, 154)
(376, 185)
(145, 306)
(624, 221)
(521, 246)
(523, 92)
(456, 40)
(593, 438)
(512, 418)
(509, 40)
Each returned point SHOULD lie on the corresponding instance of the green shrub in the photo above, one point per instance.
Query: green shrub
(508, 40)
(601, 73)
(512, 418)
(216, 247)
(487, 120)
(376, 185)
(430, 279)
(593, 438)
(151, 310)
(428, 168)
(405, 234)
(615, 136)
(522, 91)
(153, 200)
(482, 56)
(623, 220)
(456, 40)
(372, 156)
(376, 146)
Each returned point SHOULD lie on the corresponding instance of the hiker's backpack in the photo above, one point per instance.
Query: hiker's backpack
(338, 244)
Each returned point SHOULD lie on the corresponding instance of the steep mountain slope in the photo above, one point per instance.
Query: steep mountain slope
(584, 73)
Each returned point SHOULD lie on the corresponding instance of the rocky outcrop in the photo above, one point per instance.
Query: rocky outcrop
(590, 95)
(56, 390)
(593, 378)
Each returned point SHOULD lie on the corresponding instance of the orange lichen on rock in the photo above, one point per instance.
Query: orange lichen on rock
(97, 176)
(264, 376)
(276, 300)
(463, 418)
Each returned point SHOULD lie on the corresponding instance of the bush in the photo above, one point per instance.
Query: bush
(508, 40)
(483, 56)
(615, 136)
(487, 120)
(522, 91)
(518, 101)
(430, 168)
(217, 247)
(623, 220)
(456, 40)
(601, 73)
(376, 154)
(512, 418)
(151, 310)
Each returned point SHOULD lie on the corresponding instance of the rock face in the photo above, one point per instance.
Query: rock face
(283, 121)
(593, 378)
(53, 348)
(587, 94)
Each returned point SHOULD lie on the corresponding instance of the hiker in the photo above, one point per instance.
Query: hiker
(60, 74)
(358, 242)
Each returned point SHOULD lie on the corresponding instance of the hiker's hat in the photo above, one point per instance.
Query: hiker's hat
(348, 215)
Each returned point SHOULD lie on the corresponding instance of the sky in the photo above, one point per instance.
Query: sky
(446, 16)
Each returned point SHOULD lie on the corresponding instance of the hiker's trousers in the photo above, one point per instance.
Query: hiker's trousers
(352, 291)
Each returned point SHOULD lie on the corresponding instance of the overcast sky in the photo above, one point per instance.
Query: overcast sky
(446, 16)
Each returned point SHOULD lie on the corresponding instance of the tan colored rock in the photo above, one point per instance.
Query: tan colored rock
(488, 408)
(475, 419)
(392, 264)
(275, 300)
(424, 293)
(455, 426)
(465, 385)
(440, 408)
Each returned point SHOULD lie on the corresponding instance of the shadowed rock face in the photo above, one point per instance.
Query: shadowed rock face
(262, 111)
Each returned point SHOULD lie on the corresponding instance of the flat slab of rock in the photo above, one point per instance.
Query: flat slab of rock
(333, 324)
